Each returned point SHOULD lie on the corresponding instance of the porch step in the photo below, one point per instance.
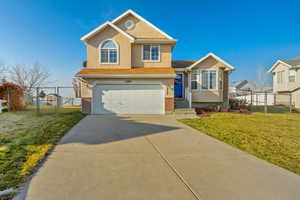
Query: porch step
(181, 104)
(182, 113)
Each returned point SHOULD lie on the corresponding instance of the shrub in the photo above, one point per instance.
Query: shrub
(13, 94)
(237, 104)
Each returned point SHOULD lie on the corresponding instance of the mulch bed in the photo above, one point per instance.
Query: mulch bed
(207, 112)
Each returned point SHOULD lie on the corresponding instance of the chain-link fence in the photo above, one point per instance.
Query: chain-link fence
(266, 101)
(52, 99)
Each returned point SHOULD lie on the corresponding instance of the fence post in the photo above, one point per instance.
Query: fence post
(256, 100)
(266, 108)
(291, 109)
(251, 101)
(274, 99)
(57, 99)
(37, 100)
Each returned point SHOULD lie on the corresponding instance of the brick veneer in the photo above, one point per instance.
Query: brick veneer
(169, 104)
(86, 105)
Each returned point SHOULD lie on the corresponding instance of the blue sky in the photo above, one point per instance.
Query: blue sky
(247, 34)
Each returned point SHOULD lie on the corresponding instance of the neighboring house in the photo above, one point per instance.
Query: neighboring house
(286, 79)
(129, 70)
(244, 85)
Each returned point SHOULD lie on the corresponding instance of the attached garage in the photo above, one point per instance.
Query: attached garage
(128, 99)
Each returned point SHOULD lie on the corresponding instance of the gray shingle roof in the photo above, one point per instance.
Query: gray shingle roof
(293, 62)
(182, 63)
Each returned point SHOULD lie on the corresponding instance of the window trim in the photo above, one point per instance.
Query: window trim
(99, 52)
(217, 79)
(150, 52)
(199, 80)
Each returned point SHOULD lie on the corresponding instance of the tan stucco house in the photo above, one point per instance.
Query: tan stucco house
(129, 70)
(286, 80)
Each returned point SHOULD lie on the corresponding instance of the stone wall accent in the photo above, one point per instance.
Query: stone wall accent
(86, 105)
(169, 104)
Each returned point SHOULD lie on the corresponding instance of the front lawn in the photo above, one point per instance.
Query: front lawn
(272, 137)
(25, 139)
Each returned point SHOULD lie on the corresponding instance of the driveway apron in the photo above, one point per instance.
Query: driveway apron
(154, 157)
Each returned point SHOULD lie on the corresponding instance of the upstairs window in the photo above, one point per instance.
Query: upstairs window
(108, 52)
(292, 75)
(151, 53)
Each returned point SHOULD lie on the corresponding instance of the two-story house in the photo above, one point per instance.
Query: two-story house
(129, 70)
(286, 79)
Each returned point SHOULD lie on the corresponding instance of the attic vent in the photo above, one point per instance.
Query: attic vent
(129, 24)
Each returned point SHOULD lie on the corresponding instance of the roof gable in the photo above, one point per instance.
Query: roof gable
(143, 21)
(227, 65)
(292, 63)
(144, 29)
(102, 27)
(276, 64)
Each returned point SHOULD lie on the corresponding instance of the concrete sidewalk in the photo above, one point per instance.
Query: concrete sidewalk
(154, 157)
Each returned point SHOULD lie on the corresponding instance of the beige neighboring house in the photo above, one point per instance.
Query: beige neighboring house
(286, 80)
(129, 70)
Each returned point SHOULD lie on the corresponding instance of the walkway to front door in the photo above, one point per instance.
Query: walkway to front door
(154, 157)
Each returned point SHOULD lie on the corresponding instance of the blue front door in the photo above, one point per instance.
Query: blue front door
(178, 86)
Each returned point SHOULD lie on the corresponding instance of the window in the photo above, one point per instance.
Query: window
(209, 79)
(151, 53)
(194, 80)
(292, 75)
(212, 80)
(108, 52)
(204, 79)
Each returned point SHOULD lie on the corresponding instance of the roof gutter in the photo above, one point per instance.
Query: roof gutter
(126, 75)
(155, 41)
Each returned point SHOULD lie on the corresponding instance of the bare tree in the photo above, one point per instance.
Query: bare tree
(261, 78)
(29, 77)
(3, 70)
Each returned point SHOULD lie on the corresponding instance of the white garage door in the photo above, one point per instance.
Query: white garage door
(128, 99)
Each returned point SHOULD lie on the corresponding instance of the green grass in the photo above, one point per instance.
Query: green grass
(272, 137)
(26, 138)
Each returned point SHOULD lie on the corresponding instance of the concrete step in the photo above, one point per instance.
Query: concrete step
(185, 111)
(185, 116)
(181, 104)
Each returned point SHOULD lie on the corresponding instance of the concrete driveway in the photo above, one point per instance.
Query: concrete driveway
(154, 158)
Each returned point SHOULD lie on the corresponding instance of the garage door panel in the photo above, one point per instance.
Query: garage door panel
(128, 99)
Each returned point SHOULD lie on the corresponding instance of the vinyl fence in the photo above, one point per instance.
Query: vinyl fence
(282, 101)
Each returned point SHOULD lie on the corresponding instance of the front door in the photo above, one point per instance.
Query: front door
(178, 86)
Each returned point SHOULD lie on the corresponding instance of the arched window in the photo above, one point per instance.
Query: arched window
(109, 52)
